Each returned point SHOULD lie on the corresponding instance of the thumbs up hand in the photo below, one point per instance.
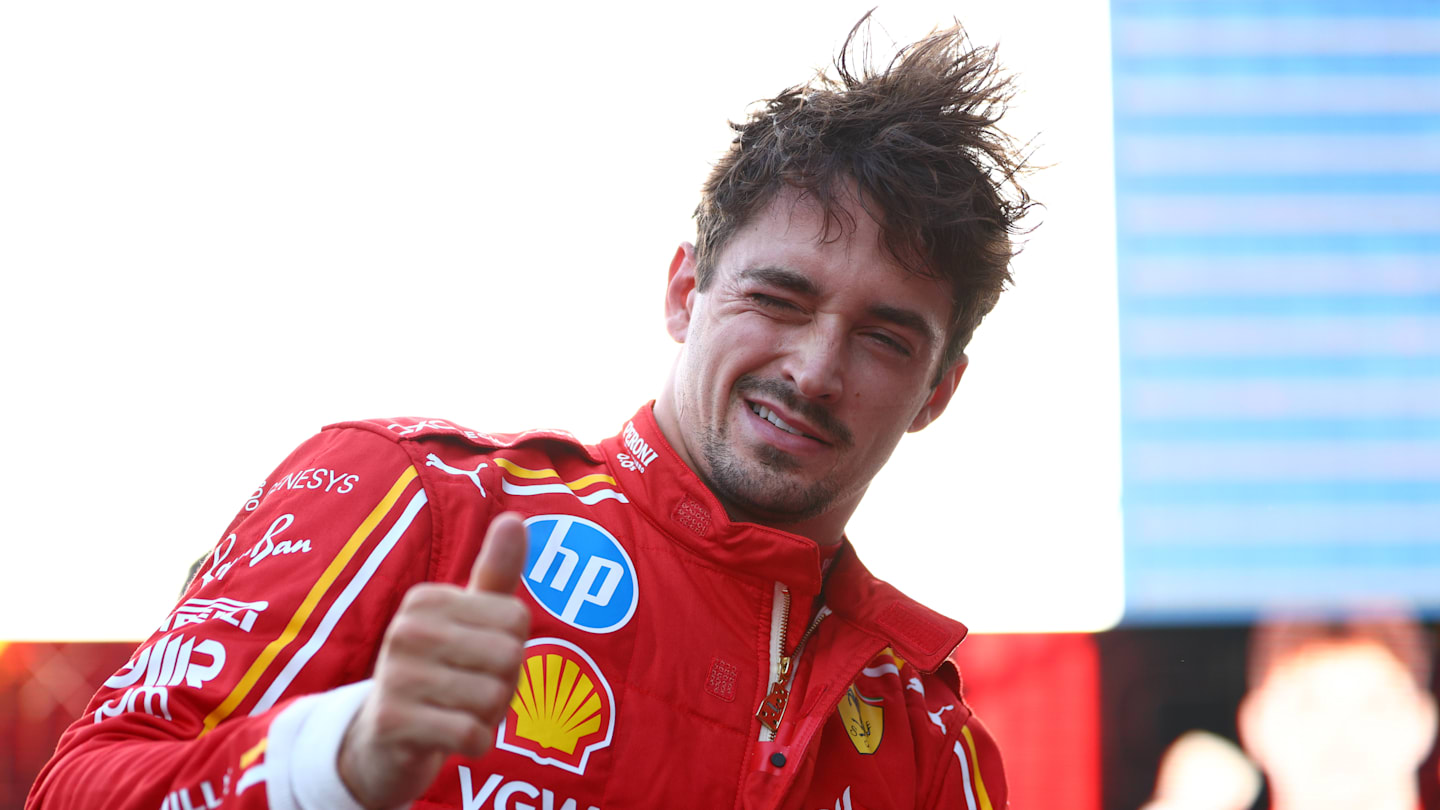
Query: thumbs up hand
(447, 669)
(501, 560)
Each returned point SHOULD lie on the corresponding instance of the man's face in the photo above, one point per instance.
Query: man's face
(803, 363)
(1288, 722)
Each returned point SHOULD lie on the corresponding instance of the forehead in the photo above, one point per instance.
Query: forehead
(798, 220)
(837, 251)
(1354, 662)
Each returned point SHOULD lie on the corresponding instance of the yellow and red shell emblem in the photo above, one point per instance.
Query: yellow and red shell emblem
(563, 709)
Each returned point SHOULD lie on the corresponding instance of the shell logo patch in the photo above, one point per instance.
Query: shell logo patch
(563, 709)
(864, 719)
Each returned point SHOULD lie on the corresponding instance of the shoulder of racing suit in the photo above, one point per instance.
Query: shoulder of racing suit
(416, 429)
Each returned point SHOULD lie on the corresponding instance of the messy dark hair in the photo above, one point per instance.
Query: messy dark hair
(920, 144)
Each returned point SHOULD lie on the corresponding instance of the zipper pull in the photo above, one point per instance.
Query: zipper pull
(772, 709)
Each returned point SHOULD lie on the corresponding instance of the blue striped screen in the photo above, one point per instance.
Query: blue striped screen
(1278, 208)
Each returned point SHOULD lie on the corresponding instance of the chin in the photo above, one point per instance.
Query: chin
(761, 488)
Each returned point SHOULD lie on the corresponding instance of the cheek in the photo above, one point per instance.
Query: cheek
(878, 419)
(887, 391)
(740, 348)
(710, 371)
(898, 408)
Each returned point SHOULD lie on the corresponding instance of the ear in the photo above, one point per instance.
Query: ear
(680, 292)
(940, 397)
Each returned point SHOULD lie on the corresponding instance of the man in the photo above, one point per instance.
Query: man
(1340, 712)
(411, 611)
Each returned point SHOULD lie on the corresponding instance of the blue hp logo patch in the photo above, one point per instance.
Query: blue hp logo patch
(579, 573)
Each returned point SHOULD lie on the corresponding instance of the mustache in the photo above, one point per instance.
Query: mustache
(811, 412)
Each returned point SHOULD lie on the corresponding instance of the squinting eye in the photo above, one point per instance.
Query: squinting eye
(890, 343)
(769, 301)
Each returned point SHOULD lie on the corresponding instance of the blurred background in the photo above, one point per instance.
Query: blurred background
(1191, 483)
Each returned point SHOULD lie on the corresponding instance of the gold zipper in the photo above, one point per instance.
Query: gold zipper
(772, 709)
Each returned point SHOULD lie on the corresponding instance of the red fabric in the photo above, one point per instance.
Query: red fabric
(1040, 695)
(668, 690)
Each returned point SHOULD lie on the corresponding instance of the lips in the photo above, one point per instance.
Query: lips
(797, 424)
(794, 427)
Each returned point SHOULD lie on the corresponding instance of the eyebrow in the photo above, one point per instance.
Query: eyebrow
(799, 284)
(905, 319)
(782, 278)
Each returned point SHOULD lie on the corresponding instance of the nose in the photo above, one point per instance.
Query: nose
(815, 363)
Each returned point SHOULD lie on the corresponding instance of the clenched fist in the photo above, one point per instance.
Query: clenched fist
(446, 672)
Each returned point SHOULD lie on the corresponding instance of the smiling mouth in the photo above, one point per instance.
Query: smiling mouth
(771, 417)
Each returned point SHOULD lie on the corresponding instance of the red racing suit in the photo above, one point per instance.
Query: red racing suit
(660, 630)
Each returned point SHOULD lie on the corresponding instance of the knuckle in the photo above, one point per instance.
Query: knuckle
(405, 630)
(514, 616)
(389, 720)
(399, 679)
(474, 738)
(475, 729)
(402, 625)
(417, 596)
(495, 695)
(418, 634)
(427, 596)
(509, 653)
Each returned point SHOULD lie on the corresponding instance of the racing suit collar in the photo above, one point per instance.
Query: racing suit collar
(920, 635)
(676, 499)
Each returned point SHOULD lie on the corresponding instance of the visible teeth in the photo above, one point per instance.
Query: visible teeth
(769, 416)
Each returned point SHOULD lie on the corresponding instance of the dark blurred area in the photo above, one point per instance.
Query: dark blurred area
(1161, 684)
(1156, 686)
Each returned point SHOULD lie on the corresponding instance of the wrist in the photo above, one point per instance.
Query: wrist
(304, 752)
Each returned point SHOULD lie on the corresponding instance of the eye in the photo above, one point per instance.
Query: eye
(771, 302)
(889, 343)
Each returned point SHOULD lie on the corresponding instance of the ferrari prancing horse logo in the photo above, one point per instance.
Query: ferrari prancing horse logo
(864, 719)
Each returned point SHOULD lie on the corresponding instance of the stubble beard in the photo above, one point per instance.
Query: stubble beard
(759, 486)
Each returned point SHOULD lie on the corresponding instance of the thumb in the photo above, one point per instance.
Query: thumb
(501, 559)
